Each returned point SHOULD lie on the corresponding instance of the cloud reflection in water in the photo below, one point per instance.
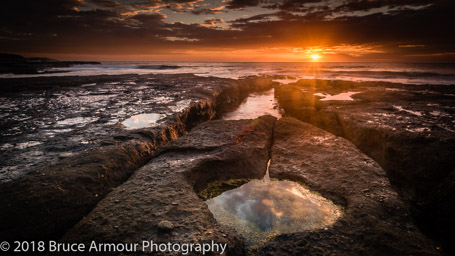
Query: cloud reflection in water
(261, 208)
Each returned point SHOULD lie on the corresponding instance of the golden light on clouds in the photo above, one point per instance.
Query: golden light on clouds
(337, 52)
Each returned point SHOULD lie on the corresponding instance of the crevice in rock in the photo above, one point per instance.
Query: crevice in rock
(272, 141)
(340, 124)
(221, 168)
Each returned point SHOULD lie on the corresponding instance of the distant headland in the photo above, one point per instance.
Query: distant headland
(17, 64)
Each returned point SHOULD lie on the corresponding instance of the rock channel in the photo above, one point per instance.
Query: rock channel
(375, 222)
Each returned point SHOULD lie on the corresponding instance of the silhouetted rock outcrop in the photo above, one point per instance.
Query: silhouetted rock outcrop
(17, 64)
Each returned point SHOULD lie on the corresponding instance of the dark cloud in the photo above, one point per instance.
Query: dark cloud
(107, 3)
(294, 5)
(366, 5)
(242, 22)
(206, 11)
(149, 19)
(240, 4)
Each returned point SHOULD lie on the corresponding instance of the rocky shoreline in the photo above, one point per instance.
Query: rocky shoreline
(383, 152)
(47, 201)
(57, 117)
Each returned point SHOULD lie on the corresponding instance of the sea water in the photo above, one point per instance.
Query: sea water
(407, 73)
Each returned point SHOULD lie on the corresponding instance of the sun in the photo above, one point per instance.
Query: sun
(315, 56)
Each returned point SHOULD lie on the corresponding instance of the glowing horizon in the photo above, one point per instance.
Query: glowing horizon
(230, 30)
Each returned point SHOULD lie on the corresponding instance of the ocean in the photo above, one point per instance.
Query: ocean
(406, 73)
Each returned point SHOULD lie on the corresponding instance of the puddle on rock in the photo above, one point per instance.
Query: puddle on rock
(142, 121)
(257, 104)
(262, 209)
(341, 96)
(78, 121)
(287, 80)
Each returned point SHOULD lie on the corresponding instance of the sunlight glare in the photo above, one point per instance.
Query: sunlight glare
(315, 56)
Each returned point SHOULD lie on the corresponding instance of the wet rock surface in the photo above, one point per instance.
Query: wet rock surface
(52, 197)
(394, 124)
(375, 220)
(408, 129)
(165, 189)
(39, 127)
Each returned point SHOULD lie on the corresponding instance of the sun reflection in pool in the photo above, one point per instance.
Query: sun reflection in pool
(262, 209)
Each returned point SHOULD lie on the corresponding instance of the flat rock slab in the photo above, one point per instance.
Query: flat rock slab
(375, 220)
(408, 129)
(164, 190)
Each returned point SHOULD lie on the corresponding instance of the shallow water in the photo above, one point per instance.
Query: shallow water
(142, 121)
(265, 208)
(408, 73)
(256, 105)
(341, 96)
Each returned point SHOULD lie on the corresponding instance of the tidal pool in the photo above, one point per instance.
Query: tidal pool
(142, 121)
(262, 209)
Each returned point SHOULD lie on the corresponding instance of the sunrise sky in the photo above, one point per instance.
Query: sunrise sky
(230, 30)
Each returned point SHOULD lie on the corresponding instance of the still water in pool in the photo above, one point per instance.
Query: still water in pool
(142, 121)
(265, 208)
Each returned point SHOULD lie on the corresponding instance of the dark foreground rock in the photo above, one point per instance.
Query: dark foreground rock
(165, 189)
(408, 129)
(159, 201)
(375, 220)
(49, 200)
